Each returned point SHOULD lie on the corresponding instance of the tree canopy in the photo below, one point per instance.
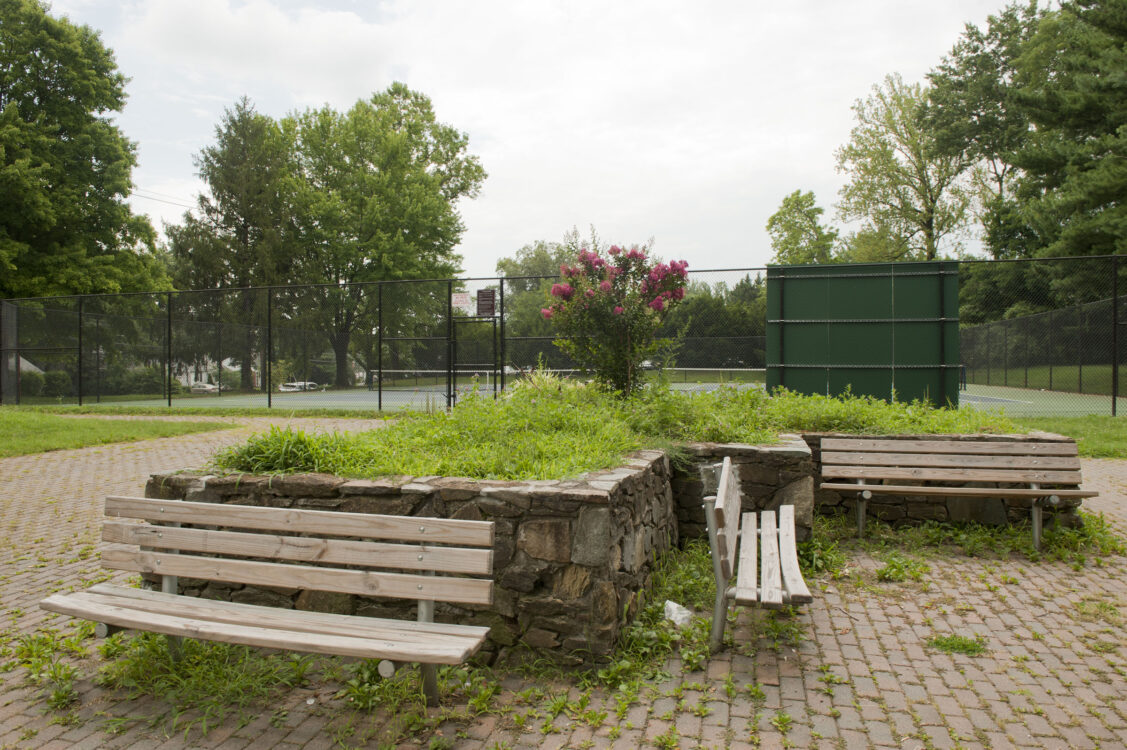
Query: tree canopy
(64, 166)
(899, 182)
(797, 234)
(329, 199)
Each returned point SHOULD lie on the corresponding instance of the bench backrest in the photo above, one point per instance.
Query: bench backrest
(1053, 463)
(726, 513)
(311, 549)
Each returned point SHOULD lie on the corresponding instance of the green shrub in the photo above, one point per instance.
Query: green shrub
(31, 383)
(56, 384)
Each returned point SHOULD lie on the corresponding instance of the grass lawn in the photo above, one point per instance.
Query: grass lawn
(24, 432)
(1096, 436)
(1095, 379)
(219, 411)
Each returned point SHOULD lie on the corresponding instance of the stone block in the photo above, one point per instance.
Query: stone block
(984, 510)
(456, 488)
(924, 510)
(592, 541)
(262, 597)
(390, 505)
(604, 604)
(308, 485)
(572, 582)
(324, 601)
(540, 638)
(545, 539)
(800, 494)
(369, 487)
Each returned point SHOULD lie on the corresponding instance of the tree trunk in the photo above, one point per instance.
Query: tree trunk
(340, 341)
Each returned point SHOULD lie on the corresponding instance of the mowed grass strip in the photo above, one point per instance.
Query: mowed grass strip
(1096, 436)
(23, 432)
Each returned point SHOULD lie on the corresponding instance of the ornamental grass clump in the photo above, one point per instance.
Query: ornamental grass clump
(607, 312)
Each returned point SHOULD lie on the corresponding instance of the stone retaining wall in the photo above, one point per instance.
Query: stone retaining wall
(909, 509)
(569, 560)
(770, 476)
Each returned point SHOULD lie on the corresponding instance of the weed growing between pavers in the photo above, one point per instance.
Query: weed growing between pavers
(1093, 540)
(958, 644)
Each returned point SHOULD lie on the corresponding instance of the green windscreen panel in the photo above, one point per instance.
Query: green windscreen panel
(874, 329)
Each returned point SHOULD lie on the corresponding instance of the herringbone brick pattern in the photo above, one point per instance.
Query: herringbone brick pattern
(1054, 673)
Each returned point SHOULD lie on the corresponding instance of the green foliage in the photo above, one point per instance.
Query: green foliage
(797, 235)
(203, 686)
(57, 384)
(958, 644)
(31, 432)
(607, 312)
(821, 554)
(538, 430)
(683, 576)
(64, 224)
(31, 383)
(547, 427)
(1094, 537)
(898, 181)
(1096, 436)
(898, 568)
(1070, 86)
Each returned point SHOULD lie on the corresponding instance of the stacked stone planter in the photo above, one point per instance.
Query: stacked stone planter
(770, 476)
(909, 510)
(569, 561)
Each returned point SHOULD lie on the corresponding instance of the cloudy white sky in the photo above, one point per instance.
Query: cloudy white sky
(682, 121)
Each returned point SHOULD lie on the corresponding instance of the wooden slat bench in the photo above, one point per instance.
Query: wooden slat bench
(1040, 472)
(294, 549)
(767, 572)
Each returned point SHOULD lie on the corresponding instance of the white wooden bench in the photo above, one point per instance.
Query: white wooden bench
(768, 574)
(294, 549)
(1040, 472)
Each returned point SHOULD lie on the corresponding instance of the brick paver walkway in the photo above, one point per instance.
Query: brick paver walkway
(1053, 675)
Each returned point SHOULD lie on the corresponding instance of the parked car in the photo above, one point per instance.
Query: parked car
(204, 388)
(300, 385)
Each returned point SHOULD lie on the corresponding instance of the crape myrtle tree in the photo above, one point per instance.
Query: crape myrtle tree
(608, 311)
(65, 168)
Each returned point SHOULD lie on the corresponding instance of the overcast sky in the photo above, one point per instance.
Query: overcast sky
(686, 122)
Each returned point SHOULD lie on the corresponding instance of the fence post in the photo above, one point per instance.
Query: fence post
(504, 359)
(449, 344)
(1051, 352)
(268, 374)
(379, 347)
(80, 350)
(1114, 332)
(1005, 352)
(168, 348)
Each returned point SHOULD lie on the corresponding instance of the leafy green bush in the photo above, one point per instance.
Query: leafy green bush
(31, 383)
(56, 384)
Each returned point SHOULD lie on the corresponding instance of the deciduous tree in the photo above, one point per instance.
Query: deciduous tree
(797, 234)
(64, 166)
(898, 180)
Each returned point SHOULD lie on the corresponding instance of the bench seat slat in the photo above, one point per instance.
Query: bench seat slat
(771, 580)
(296, 520)
(794, 587)
(286, 575)
(965, 447)
(747, 581)
(302, 548)
(271, 617)
(931, 491)
(1071, 463)
(1020, 476)
(390, 644)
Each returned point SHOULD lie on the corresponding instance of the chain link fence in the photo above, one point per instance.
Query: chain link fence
(1041, 337)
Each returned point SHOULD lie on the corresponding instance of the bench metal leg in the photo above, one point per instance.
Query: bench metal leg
(171, 585)
(861, 503)
(429, 671)
(1037, 510)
